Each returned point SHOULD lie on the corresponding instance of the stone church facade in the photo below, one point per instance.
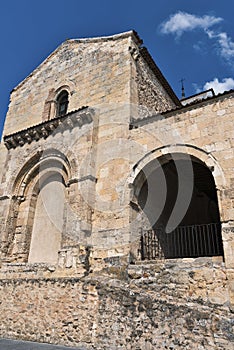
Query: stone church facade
(117, 205)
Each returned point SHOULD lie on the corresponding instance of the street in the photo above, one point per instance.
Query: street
(7, 344)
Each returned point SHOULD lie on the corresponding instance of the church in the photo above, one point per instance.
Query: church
(117, 204)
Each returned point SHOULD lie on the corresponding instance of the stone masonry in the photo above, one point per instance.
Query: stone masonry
(71, 219)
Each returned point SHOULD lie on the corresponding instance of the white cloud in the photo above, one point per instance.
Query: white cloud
(183, 21)
(220, 86)
(225, 43)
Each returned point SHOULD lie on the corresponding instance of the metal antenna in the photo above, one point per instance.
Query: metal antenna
(182, 87)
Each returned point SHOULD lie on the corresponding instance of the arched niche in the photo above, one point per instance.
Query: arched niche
(48, 220)
(37, 206)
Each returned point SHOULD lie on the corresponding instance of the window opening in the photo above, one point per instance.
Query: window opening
(62, 103)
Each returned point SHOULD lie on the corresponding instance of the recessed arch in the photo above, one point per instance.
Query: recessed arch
(46, 172)
(177, 194)
(187, 150)
(48, 219)
(37, 164)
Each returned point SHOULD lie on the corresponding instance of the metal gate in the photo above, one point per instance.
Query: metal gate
(184, 241)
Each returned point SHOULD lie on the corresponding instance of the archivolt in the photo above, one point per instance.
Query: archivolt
(40, 166)
(166, 152)
(26, 188)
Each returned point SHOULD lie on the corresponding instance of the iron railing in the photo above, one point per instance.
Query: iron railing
(184, 241)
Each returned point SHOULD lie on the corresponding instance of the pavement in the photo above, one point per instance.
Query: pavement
(8, 344)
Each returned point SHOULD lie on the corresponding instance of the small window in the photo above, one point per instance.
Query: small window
(62, 103)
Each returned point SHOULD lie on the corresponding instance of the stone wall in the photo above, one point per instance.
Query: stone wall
(150, 90)
(161, 305)
(203, 131)
(100, 73)
(92, 296)
(58, 153)
(94, 72)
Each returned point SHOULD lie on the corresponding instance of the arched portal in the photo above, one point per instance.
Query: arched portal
(177, 194)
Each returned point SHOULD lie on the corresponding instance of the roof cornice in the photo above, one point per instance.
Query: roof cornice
(79, 117)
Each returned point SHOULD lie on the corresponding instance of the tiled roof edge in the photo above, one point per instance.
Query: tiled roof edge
(201, 101)
(135, 122)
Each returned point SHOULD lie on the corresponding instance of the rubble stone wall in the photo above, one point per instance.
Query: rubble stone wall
(150, 91)
(161, 305)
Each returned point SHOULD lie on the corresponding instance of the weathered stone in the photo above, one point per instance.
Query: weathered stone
(71, 218)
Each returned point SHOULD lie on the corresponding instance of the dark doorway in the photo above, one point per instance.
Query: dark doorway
(196, 229)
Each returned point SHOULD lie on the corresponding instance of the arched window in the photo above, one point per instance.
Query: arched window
(62, 103)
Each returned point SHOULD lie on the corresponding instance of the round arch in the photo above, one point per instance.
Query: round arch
(50, 105)
(176, 191)
(38, 165)
(189, 151)
(47, 172)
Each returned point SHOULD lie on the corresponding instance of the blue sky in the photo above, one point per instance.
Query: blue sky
(193, 40)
